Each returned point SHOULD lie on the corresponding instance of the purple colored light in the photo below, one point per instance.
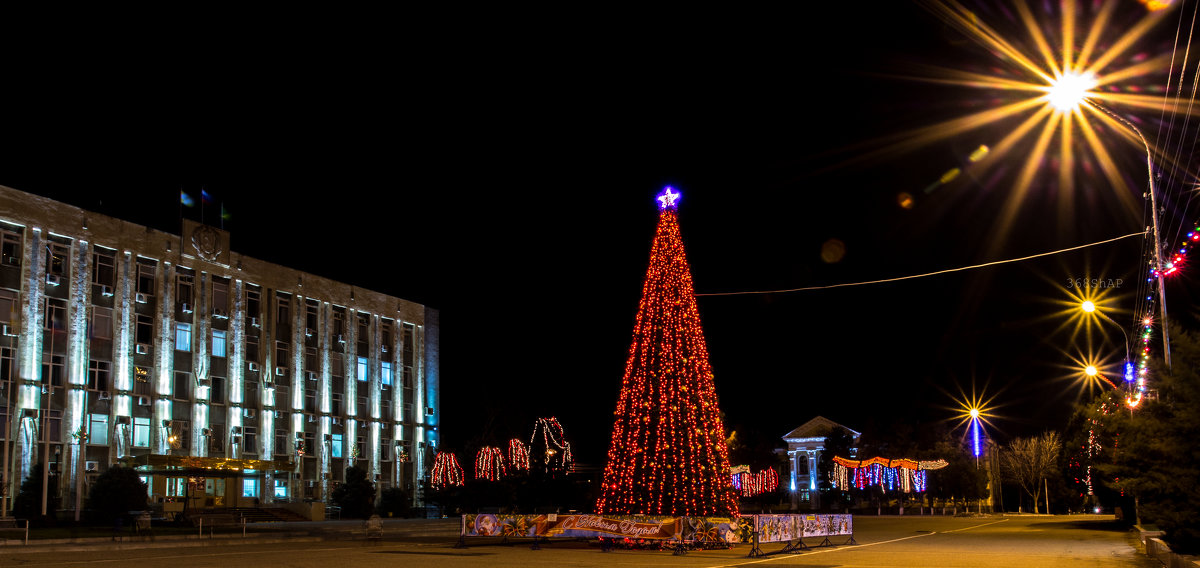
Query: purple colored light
(975, 435)
(668, 198)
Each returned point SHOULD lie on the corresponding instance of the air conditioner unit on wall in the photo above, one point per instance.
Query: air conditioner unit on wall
(140, 298)
(53, 279)
(106, 291)
(92, 466)
(252, 366)
(143, 401)
(281, 371)
(248, 412)
(104, 395)
(219, 313)
(254, 322)
(141, 349)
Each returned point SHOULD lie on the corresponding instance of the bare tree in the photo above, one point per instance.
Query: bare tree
(1028, 461)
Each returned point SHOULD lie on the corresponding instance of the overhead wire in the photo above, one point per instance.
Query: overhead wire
(927, 274)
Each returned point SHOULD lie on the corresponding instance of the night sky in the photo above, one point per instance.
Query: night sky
(502, 168)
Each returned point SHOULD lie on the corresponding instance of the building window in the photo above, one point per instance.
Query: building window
(386, 334)
(218, 343)
(385, 375)
(282, 400)
(56, 259)
(144, 330)
(98, 429)
(10, 248)
(310, 315)
(220, 296)
(281, 354)
(281, 491)
(249, 440)
(100, 325)
(253, 302)
(141, 432)
(361, 446)
(10, 312)
(104, 267)
(252, 348)
(8, 366)
(310, 400)
(335, 403)
(250, 485)
(176, 486)
(336, 446)
(183, 385)
(99, 374)
(310, 359)
(53, 367)
(145, 277)
(339, 325)
(217, 392)
(56, 314)
(184, 288)
(251, 393)
(282, 309)
(281, 444)
(364, 373)
(183, 336)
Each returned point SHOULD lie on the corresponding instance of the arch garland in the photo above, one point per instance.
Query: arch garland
(889, 474)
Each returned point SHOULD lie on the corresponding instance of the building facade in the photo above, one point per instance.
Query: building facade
(225, 378)
(804, 446)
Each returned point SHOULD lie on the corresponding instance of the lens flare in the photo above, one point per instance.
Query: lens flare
(1069, 90)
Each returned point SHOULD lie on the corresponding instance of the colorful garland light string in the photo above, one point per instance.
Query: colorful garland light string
(903, 474)
(751, 484)
(1178, 260)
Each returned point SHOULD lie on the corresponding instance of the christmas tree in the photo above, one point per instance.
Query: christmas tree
(668, 454)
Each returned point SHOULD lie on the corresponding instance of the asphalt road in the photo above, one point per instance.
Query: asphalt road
(978, 542)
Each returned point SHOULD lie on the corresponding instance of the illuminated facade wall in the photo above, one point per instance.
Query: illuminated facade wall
(134, 341)
(804, 446)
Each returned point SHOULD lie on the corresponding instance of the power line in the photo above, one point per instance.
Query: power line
(949, 270)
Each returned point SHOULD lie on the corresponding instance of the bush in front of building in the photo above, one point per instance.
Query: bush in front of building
(28, 502)
(393, 502)
(356, 496)
(116, 493)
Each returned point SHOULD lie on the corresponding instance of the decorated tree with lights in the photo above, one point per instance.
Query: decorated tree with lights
(668, 454)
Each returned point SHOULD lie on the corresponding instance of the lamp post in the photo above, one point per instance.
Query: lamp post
(1158, 264)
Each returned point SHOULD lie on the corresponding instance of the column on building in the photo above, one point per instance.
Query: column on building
(75, 418)
(33, 276)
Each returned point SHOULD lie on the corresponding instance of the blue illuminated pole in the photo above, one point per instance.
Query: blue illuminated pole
(975, 433)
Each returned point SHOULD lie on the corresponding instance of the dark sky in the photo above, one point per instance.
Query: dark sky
(502, 167)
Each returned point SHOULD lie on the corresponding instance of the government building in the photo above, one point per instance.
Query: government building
(226, 380)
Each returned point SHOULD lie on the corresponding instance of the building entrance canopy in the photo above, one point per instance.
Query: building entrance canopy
(194, 466)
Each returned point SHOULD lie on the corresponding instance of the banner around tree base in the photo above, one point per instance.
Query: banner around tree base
(770, 528)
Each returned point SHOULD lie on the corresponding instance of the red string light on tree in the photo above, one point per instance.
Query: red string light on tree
(446, 471)
(518, 456)
(750, 484)
(668, 454)
(489, 464)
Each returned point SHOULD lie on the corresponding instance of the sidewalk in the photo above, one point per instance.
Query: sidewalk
(420, 530)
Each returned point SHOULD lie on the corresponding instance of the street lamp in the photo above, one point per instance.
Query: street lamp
(1158, 264)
